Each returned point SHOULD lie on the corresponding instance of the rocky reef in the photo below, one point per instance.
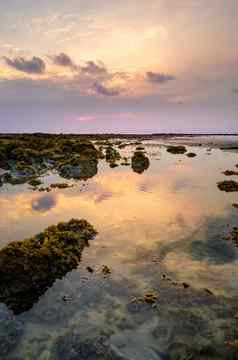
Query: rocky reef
(29, 267)
(26, 157)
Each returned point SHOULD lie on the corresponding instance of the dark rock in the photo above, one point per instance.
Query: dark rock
(191, 154)
(228, 185)
(230, 173)
(185, 285)
(177, 149)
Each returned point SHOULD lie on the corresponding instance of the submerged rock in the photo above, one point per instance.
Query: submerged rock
(74, 346)
(177, 149)
(29, 267)
(228, 185)
(196, 333)
(139, 162)
(233, 236)
(11, 330)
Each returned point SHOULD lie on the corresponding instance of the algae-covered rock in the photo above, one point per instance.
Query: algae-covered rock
(25, 157)
(112, 155)
(228, 185)
(34, 182)
(177, 149)
(84, 169)
(29, 267)
(191, 155)
(140, 162)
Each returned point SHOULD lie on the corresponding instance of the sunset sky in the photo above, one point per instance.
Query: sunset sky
(119, 66)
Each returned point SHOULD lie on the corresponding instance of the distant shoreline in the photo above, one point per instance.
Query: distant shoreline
(125, 135)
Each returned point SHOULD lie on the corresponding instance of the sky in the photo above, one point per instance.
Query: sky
(128, 66)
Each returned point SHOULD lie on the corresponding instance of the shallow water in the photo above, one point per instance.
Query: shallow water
(156, 230)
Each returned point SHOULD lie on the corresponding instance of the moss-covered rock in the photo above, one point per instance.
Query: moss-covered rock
(139, 162)
(29, 267)
(228, 185)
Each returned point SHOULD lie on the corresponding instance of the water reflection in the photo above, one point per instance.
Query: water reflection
(44, 203)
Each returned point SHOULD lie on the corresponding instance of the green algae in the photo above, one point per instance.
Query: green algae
(29, 267)
(139, 162)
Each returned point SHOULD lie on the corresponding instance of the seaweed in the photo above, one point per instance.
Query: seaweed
(29, 267)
